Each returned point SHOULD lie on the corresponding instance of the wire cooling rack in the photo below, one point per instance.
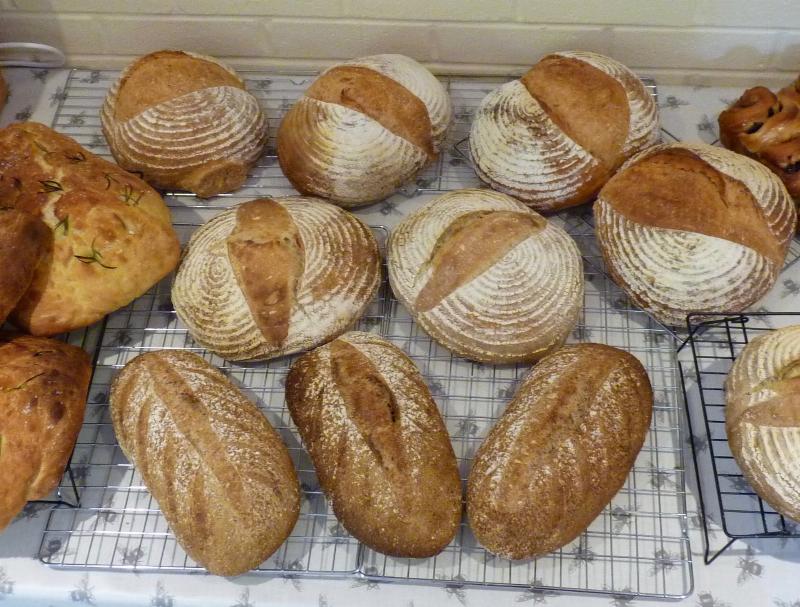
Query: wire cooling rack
(638, 546)
(725, 495)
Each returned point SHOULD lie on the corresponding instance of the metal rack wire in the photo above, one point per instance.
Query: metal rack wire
(715, 343)
(639, 545)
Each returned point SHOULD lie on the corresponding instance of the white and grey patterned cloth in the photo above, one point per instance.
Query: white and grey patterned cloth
(751, 573)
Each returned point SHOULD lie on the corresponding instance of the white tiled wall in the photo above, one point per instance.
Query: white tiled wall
(678, 41)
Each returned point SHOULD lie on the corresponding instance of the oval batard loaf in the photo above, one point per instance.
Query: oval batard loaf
(363, 129)
(378, 444)
(184, 121)
(688, 227)
(486, 276)
(111, 233)
(560, 452)
(275, 276)
(219, 471)
(762, 417)
(43, 385)
(24, 241)
(556, 135)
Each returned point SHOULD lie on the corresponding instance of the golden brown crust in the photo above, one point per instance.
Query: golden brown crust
(378, 443)
(24, 240)
(165, 75)
(111, 232)
(469, 246)
(381, 98)
(663, 190)
(43, 385)
(266, 253)
(766, 126)
(560, 452)
(220, 473)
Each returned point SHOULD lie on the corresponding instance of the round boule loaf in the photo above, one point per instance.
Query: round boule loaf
(271, 277)
(762, 417)
(553, 137)
(184, 121)
(364, 128)
(561, 450)
(487, 277)
(688, 227)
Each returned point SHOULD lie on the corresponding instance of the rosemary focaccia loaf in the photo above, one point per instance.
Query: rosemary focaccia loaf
(762, 417)
(487, 277)
(43, 385)
(561, 450)
(184, 121)
(378, 443)
(363, 129)
(271, 277)
(219, 471)
(24, 241)
(111, 234)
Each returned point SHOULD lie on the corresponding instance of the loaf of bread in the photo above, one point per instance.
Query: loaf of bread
(556, 135)
(363, 129)
(487, 277)
(24, 241)
(43, 385)
(378, 444)
(220, 473)
(185, 121)
(111, 234)
(560, 452)
(762, 417)
(766, 126)
(694, 228)
(271, 277)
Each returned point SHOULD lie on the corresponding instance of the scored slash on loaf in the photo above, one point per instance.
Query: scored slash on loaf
(561, 450)
(486, 276)
(271, 277)
(364, 128)
(378, 443)
(694, 228)
(218, 470)
(556, 135)
(762, 417)
(184, 121)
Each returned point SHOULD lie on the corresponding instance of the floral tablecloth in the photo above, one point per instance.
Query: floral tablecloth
(750, 573)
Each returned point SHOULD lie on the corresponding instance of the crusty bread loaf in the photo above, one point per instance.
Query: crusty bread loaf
(487, 277)
(560, 452)
(364, 128)
(24, 241)
(378, 443)
(274, 276)
(43, 385)
(220, 473)
(112, 237)
(689, 227)
(762, 417)
(184, 121)
(556, 135)
(766, 126)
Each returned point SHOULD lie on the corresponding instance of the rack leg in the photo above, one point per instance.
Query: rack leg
(710, 559)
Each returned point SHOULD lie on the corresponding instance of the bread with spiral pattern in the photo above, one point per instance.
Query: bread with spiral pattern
(217, 468)
(378, 443)
(185, 121)
(766, 126)
(553, 137)
(275, 276)
(762, 417)
(363, 129)
(561, 450)
(688, 227)
(487, 277)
